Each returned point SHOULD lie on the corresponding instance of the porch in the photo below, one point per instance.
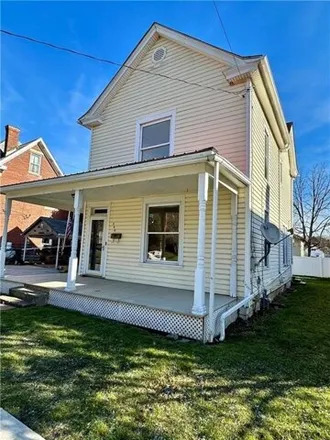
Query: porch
(158, 308)
(161, 233)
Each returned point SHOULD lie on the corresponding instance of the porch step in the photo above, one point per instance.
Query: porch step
(12, 301)
(29, 295)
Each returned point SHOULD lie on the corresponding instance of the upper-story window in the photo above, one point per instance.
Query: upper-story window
(155, 136)
(35, 163)
(266, 155)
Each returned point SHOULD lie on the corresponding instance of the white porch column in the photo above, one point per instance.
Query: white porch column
(73, 262)
(233, 266)
(213, 246)
(199, 307)
(4, 237)
(25, 246)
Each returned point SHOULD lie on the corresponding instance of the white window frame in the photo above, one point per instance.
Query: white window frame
(35, 153)
(162, 201)
(267, 154)
(150, 120)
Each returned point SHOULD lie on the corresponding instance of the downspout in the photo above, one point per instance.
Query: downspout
(213, 247)
(238, 305)
(248, 191)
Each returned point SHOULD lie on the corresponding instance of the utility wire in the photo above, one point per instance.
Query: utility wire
(114, 63)
(226, 35)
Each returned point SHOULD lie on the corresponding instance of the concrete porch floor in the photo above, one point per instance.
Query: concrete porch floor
(174, 300)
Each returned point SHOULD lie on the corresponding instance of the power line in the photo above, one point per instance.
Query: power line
(226, 35)
(114, 63)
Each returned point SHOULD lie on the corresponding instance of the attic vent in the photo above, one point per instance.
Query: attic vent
(159, 55)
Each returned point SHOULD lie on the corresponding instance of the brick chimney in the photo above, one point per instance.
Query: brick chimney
(12, 138)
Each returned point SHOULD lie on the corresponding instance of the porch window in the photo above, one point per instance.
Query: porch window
(155, 137)
(35, 163)
(163, 233)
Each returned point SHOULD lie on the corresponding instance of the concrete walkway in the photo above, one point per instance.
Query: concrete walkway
(13, 429)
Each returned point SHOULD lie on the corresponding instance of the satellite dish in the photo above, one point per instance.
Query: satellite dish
(270, 232)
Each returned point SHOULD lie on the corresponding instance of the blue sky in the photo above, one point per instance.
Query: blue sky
(44, 91)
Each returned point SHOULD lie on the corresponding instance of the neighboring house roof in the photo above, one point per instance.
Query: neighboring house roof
(22, 148)
(57, 226)
(240, 69)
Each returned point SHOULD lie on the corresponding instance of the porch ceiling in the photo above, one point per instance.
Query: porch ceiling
(64, 199)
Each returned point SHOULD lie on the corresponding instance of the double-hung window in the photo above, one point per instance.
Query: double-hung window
(162, 235)
(155, 137)
(35, 163)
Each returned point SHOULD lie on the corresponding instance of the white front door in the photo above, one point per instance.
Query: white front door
(97, 245)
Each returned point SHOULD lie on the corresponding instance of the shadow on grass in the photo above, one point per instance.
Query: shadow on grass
(70, 376)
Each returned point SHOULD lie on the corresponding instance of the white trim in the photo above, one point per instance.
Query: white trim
(199, 307)
(233, 266)
(73, 261)
(266, 156)
(248, 140)
(150, 120)
(247, 253)
(162, 201)
(37, 143)
(35, 153)
(105, 218)
(82, 180)
(213, 247)
(86, 230)
(141, 49)
(8, 204)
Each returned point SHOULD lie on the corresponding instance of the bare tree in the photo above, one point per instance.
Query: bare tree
(312, 205)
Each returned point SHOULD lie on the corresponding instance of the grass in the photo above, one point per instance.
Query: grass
(69, 376)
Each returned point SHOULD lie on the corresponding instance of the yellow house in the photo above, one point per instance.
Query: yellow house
(190, 153)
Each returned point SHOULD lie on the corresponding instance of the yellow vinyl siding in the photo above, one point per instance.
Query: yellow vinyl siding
(123, 257)
(280, 195)
(204, 118)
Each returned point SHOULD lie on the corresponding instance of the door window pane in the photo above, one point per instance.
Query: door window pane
(96, 242)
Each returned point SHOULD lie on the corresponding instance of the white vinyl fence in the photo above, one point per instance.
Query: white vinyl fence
(311, 266)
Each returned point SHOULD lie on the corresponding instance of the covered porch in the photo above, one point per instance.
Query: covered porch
(197, 277)
(158, 308)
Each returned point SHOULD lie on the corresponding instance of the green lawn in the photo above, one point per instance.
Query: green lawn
(69, 376)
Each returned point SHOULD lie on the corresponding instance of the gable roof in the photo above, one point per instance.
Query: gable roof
(56, 225)
(240, 69)
(22, 148)
(92, 117)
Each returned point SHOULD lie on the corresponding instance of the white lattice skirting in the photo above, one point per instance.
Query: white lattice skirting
(156, 319)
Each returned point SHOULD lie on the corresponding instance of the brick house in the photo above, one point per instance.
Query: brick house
(22, 162)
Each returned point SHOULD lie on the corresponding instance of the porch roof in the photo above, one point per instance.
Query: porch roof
(126, 181)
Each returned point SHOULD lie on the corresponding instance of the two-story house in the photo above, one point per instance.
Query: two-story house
(190, 154)
(24, 162)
